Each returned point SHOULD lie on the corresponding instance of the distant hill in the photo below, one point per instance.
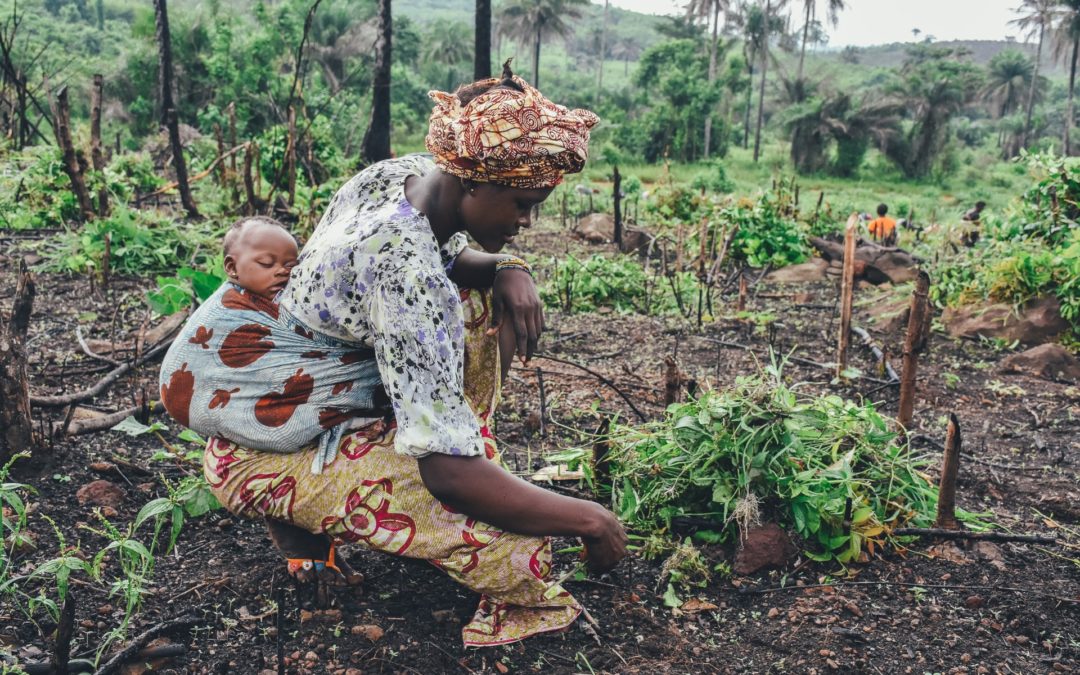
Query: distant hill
(892, 55)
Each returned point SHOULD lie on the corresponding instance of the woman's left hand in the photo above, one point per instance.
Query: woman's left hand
(515, 298)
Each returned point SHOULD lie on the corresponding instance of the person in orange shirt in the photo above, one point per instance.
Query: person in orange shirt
(883, 228)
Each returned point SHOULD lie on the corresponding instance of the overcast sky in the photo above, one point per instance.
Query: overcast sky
(870, 22)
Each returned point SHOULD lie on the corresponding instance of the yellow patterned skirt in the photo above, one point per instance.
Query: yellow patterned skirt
(373, 496)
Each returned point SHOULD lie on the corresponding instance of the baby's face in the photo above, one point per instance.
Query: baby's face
(262, 259)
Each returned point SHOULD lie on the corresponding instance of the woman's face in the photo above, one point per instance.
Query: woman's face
(493, 214)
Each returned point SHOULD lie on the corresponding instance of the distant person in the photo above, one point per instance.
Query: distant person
(972, 225)
(883, 228)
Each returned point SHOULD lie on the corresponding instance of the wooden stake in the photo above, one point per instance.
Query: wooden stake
(601, 460)
(16, 425)
(72, 167)
(543, 401)
(950, 465)
(617, 198)
(672, 381)
(913, 344)
(847, 288)
(220, 171)
(290, 157)
(743, 291)
(97, 157)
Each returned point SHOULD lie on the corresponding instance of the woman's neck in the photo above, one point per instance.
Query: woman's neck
(436, 196)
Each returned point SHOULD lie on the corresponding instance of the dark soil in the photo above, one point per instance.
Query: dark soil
(995, 608)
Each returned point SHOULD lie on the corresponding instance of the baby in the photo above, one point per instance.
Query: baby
(243, 368)
(259, 255)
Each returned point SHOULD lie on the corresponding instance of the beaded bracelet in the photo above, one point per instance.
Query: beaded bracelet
(512, 263)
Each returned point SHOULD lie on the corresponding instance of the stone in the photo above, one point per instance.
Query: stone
(596, 228)
(812, 270)
(101, 493)
(1038, 322)
(764, 547)
(1051, 361)
(369, 631)
(887, 312)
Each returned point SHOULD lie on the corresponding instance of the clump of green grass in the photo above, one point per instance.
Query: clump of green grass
(828, 469)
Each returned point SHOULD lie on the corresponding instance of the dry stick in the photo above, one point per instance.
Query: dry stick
(902, 584)
(600, 377)
(64, 631)
(91, 353)
(741, 306)
(847, 287)
(672, 381)
(878, 353)
(543, 400)
(102, 384)
(89, 426)
(950, 465)
(976, 536)
(97, 157)
(133, 649)
(913, 344)
(197, 177)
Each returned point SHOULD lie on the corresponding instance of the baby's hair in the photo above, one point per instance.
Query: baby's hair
(237, 228)
(882, 209)
(467, 92)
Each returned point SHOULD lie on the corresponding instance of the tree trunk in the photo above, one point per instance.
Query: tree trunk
(764, 76)
(1072, 91)
(16, 425)
(712, 71)
(603, 51)
(72, 166)
(290, 167)
(536, 55)
(376, 145)
(616, 196)
(1031, 88)
(168, 107)
(482, 57)
(749, 105)
(805, 35)
(97, 156)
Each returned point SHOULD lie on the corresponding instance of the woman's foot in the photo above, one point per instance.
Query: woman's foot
(296, 543)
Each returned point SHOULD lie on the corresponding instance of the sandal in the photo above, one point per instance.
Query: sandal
(294, 565)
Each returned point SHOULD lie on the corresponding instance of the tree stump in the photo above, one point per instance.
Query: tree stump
(16, 427)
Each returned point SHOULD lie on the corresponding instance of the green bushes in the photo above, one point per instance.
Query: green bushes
(621, 284)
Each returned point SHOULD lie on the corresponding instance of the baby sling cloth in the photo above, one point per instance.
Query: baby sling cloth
(245, 369)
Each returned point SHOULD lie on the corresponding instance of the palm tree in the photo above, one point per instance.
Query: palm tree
(1008, 75)
(376, 145)
(1067, 41)
(709, 10)
(529, 20)
(1035, 17)
(448, 44)
(832, 12)
(763, 50)
(482, 41)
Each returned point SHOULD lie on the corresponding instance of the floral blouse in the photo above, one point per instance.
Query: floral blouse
(373, 273)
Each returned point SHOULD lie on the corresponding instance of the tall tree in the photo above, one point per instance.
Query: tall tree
(1008, 75)
(709, 10)
(376, 145)
(1036, 16)
(603, 51)
(770, 7)
(482, 41)
(169, 118)
(1067, 44)
(832, 12)
(530, 20)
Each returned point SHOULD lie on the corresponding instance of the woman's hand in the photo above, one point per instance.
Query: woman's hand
(515, 298)
(608, 546)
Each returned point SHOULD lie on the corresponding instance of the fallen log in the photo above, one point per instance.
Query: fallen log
(132, 650)
(974, 536)
(101, 385)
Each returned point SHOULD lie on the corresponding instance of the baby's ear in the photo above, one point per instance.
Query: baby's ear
(230, 266)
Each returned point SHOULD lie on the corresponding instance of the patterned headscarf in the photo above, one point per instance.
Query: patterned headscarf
(514, 138)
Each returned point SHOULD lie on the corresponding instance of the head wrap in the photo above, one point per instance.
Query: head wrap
(514, 138)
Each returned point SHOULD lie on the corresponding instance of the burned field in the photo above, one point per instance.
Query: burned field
(918, 604)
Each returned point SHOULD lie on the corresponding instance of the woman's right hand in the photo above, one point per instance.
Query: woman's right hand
(607, 546)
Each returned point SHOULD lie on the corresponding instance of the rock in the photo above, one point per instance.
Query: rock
(767, 546)
(100, 493)
(369, 631)
(635, 239)
(887, 312)
(812, 270)
(1038, 322)
(597, 228)
(1051, 361)
(973, 602)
